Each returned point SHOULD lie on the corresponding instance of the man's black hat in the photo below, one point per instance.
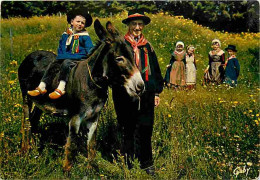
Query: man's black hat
(231, 47)
(136, 14)
(80, 12)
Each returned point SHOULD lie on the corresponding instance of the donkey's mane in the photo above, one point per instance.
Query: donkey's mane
(94, 48)
(93, 54)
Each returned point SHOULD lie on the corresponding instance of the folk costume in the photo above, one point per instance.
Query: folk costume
(190, 69)
(215, 73)
(175, 73)
(232, 68)
(73, 47)
(136, 120)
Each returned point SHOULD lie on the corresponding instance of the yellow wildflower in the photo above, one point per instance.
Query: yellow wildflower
(12, 72)
(249, 163)
(11, 82)
(256, 122)
(17, 105)
(250, 111)
(169, 115)
(257, 115)
(13, 62)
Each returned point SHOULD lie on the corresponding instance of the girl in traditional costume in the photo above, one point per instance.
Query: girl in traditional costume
(175, 74)
(190, 68)
(214, 73)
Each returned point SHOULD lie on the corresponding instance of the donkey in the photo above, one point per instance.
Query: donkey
(109, 64)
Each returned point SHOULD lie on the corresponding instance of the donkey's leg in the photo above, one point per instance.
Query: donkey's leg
(91, 144)
(35, 116)
(72, 142)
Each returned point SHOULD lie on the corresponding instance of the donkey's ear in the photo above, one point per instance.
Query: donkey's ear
(111, 29)
(100, 30)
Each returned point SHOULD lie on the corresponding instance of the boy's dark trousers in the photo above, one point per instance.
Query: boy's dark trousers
(64, 66)
(136, 126)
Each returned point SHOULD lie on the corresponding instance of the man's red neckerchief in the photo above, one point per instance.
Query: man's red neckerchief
(135, 44)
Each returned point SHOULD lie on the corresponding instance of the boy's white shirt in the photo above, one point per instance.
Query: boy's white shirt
(84, 33)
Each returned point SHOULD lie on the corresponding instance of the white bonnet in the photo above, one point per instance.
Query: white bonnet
(191, 47)
(179, 43)
(216, 40)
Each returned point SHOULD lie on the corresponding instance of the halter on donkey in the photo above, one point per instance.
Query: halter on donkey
(110, 63)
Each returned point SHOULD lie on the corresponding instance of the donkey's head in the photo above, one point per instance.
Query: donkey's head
(118, 65)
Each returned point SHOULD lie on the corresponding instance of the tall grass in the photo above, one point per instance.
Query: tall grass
(209, 133)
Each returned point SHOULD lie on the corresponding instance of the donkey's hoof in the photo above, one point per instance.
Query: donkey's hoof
(67, 167)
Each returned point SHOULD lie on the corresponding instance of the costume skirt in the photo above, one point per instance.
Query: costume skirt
(177, 75)
(190, 74)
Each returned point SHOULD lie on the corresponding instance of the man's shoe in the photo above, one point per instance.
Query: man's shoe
(56, 94)
(37, 92)
(150, 170)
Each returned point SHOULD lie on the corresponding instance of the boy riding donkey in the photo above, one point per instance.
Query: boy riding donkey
(74, 45)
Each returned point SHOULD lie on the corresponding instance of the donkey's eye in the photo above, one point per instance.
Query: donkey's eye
(120, 59)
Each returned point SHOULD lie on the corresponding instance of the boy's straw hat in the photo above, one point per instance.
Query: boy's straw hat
(80, 12)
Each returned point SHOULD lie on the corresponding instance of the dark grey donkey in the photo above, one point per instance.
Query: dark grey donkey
(109, 64)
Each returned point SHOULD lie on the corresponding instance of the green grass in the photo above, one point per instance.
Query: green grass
(210, 133)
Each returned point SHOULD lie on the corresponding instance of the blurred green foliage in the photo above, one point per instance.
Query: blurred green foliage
(231, 16)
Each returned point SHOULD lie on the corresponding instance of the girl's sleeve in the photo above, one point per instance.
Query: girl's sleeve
(209, 59)
(88, 44)
(223, 59)
(172, 60)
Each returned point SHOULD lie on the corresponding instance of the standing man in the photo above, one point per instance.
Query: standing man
(136, 118)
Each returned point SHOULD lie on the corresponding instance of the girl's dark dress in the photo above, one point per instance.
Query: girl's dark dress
(216, 71)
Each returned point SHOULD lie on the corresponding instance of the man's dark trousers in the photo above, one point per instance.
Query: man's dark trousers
(136, 125)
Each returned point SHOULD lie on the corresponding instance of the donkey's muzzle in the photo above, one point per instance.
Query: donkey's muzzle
(140, 88)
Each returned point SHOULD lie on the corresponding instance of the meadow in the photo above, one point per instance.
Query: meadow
(209, 133)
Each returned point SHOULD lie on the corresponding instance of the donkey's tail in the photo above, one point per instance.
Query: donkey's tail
(23, 75)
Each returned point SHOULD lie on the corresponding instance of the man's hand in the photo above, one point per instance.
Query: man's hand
(156, 101)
